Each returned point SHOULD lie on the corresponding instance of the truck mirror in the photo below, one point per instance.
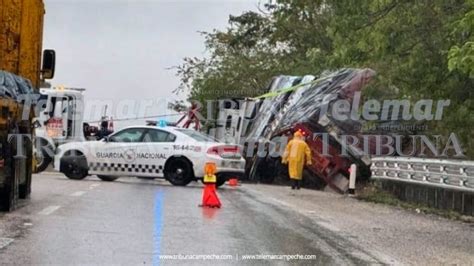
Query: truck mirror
(49, 63)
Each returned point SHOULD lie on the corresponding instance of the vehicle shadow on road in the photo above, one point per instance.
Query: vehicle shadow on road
(159, 182)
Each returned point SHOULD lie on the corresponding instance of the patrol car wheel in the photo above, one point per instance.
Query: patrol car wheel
(107, 178)
(74, 166)
(179, 172)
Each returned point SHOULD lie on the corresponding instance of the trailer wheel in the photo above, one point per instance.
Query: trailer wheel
(74, 165)
(107, 178)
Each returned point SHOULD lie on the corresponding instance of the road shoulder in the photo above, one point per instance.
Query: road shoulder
(392, 234)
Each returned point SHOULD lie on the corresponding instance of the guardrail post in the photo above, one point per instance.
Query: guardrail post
(352, 178)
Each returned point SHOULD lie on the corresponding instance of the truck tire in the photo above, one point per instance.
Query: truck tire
(179, 171)
(74, 165)
(25, 187)
(42, 156)
(42, 162)
(9, 193)
(107, 178)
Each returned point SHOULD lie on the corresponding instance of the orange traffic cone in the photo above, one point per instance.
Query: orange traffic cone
(233, 182)
(209, 194)
(209, 197)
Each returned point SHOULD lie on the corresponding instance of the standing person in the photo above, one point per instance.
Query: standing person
(297, 152)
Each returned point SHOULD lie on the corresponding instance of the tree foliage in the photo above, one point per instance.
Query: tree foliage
(420, 50)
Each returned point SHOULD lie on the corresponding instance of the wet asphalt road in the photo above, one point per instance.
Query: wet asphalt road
(133, 221)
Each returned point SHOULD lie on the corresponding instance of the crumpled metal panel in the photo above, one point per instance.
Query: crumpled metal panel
(337, 85)
(270, 107)
(304, 109)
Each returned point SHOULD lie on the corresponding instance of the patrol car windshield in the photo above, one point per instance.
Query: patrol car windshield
(197, 135)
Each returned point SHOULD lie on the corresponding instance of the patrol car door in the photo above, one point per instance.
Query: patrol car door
(155, 149)
(117, 155)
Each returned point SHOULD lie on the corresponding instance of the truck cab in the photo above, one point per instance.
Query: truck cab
(59, 121)
(62, 118)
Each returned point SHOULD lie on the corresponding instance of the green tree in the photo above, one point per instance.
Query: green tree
(420, 50)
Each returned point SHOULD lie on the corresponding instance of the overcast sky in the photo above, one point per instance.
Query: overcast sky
(120, 50)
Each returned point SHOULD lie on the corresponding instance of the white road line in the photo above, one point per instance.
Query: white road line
(48, 210)
(94, 186)
(5, 242)
(78, 193)
(50, 173)
(281, 202)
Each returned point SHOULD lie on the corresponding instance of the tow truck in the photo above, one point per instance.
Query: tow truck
(61, 120)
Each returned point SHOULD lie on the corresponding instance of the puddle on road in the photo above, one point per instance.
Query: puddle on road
(209, 213)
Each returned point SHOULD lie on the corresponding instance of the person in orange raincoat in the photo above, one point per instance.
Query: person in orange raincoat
(297, 152)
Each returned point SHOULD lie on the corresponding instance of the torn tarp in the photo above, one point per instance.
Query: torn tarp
(12, 86)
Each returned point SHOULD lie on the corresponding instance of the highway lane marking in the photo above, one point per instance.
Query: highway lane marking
(157, 228)
(281, 202)
(48, 210)
(50, 173)
(94, 186)
(5, 242)
(78, 193)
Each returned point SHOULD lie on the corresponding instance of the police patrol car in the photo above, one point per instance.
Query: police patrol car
(177, 154)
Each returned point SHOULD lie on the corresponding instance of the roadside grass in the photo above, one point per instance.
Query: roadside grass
(372, 192)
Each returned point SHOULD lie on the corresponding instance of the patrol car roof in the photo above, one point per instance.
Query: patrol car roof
(171, 129)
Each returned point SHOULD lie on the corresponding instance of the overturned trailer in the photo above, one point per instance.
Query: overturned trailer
(307, 103)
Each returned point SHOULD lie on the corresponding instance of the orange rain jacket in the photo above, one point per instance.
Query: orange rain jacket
(296, 153)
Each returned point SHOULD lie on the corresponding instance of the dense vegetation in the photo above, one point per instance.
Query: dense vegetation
(420, 50)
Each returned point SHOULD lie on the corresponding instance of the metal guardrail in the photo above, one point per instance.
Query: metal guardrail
(449, 174)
